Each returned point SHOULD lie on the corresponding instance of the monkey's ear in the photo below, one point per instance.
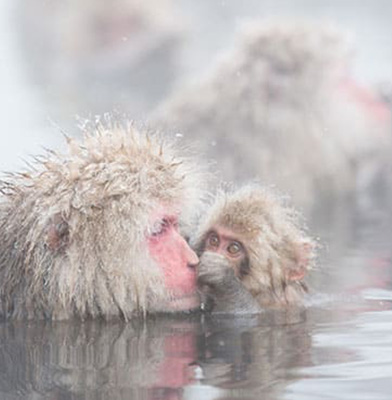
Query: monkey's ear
(57, 234)
(303, 256)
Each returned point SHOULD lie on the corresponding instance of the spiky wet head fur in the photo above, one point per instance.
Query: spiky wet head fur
(273, 239)
(105, 190)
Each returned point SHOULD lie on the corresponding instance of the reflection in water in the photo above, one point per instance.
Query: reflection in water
(151, 360)
(338, 347)
(184, 357)
(250, 354)
(96, 360)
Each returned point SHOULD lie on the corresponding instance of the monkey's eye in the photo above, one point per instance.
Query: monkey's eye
(234, 248)
(213, 240)
(159, 227)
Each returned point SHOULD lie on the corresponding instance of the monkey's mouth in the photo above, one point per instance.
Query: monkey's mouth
(184, 303)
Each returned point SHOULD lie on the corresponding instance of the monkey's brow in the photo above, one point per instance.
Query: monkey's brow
(232, 238)
(170, 219)
(226, 234)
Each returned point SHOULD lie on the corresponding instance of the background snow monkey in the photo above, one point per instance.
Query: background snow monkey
(286, 86)
(96, 233)
(252, 252)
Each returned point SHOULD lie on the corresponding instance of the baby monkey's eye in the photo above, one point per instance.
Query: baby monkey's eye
(213, 240)
(234, 248)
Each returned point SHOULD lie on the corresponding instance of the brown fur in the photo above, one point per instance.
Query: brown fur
(105, 190)
(271, 234)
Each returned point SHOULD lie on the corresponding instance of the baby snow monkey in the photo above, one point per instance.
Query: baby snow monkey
(253, 253)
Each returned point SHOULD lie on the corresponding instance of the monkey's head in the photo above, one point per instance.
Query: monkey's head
(97, 233)
(262, 240)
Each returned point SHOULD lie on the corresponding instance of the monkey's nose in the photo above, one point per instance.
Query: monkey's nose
(193, 265)
(193, 261)
(191, 256)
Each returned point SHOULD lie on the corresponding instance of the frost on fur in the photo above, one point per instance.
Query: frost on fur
(105, 189)
(280, 253)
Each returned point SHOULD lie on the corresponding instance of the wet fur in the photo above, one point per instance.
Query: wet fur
(105, 189)
(273, 238)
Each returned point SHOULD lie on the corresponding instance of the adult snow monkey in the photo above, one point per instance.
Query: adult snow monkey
(96, 233)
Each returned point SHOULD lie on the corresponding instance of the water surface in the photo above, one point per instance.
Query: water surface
(338, 347)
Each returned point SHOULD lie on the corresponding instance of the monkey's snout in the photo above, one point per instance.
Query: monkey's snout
(194, 266)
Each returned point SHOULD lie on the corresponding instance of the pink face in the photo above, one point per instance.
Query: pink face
(224, 242)
(177, 260)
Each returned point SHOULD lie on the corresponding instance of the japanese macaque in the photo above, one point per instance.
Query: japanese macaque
(98, 56)
(253, 254)
(284, 90)
(97, 233)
